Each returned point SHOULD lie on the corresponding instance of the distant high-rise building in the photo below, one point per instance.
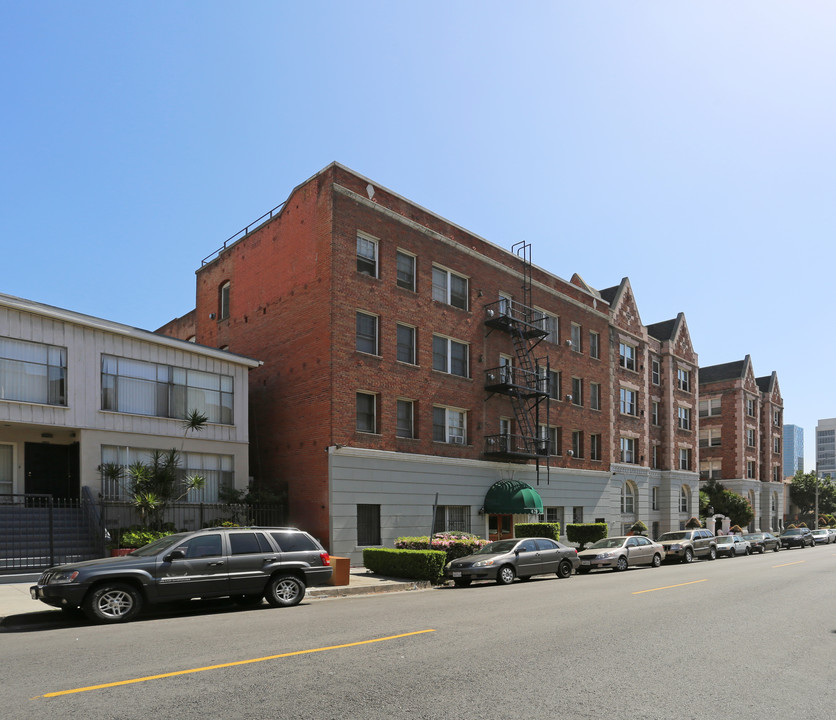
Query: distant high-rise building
(793, 450)
(826, 447)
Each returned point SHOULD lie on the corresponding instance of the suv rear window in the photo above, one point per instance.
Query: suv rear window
(293, 541)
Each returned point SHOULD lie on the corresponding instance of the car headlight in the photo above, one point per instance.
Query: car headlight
(63, 577)
(605, 556)
(483, 563)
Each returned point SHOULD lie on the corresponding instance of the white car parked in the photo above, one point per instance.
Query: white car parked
(731, 545)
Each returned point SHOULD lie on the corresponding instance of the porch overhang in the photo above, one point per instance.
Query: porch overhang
(513, 497)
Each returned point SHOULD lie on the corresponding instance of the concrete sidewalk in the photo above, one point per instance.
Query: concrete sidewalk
(15, 601)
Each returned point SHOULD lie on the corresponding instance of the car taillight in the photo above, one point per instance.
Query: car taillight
(326, 560)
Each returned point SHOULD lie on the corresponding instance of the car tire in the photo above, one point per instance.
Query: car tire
(462, 582)
(712, 553)
(657, 560)
(564, 569)
(688, 557)
(776, 548)
(505, 575)
(621, 565)
(284, 591)
(747, 551)
(112, 603)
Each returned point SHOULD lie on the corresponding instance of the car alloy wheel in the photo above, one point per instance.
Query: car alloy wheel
(712, 553)
(564, 569)
(657, 560)
(622, 563)
(285, 591)
(506, 575)
(112, 603)
(689, 555)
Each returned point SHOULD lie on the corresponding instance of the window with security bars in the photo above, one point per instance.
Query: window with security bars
(368, 525)
(452, 518)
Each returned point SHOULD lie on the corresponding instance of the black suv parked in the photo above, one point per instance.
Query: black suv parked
(685, 545)
(247, 564)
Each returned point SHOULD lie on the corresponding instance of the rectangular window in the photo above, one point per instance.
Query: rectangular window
(776, 418)
(776, 445)
(710, 407)
(577, 443)
(595, 396)
(628, 450)
(654, 412)
(449, 425)
(655, 372)
(450, 356)
(366, 412)
(684, 458)
(776, 474)
(710, 469)
(449, 288)
(629, 404)
(683, 379)
(223, 302)
(145, 388)
(366, 333)
(550, 324)
(406, 419)
(551, 437)
(595, 446)
(684, 417)
(710, 437)
(406, 344)
(750, 407)
(577, 391)
(577, 514)
(6, 468)
(654, 457)
(594, 345)
(750, 437)
(750, 469)
(217, 471)
(405, 266)
(627, 356)
(368, 525)
(654, 498)
(553, 515)
(366, 255)
(577, 334)
(452, 518)
(554, 385)
(33, 372)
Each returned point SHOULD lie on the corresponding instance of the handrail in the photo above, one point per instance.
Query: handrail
(244, 232)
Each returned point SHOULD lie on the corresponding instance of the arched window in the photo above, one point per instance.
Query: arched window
(628, 499)
(684, 499)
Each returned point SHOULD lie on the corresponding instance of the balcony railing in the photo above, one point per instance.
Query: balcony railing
(520, 447)
(508, 315)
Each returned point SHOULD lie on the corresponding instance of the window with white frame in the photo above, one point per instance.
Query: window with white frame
(577, 391)
(710, 407)
(710, 469)
(710, 437)
(405, 269)
(654, 498)
(449, 425)
(550, 438)
(406, 344)
(595, 396)
(216, 470)
(776, 444)
(366, 255)
(773, 502)
(627, 356)
(595, 446)
(223, 301)
(577, 443)
(655, 371)
(776, 473)
(654, 412)
(684, 458)
(550, 324)
(406, 419)
(683, 379)
(576, 338)
(684, 499)
(629, 404)
(750, 407)
(553, 514)
(751, 469)
(750, 437)
(449, 288)
(594, 344)
(654, 457)
(6, 469)
(145, 388)
(452, 518)
(628, 499)
(776, 418)
(450, 356)
(366, 333)
(554, 385)
(684, 417)
(33, 372)
(366, 412)
(628, 450)
(577, 514)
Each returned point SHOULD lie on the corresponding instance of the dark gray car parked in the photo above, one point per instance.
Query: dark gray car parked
(246, 564)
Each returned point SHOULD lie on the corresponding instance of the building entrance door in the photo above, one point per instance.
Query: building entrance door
(500, 527)
(51, 470)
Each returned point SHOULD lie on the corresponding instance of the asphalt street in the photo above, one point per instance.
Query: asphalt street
(741, 638)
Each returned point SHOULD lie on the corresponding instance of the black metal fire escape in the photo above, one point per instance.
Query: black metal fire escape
(526, 381)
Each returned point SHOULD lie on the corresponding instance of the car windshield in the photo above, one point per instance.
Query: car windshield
(819, 532)
(793, 531)
(754, 536)
(500, 546)
(615, 542)
(674, 536)
(725, 539)
(159, 545)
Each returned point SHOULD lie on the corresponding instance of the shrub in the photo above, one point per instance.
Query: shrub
(638, 528)
(548, 530)
(454, 545)
(693, 524)
(409, 564)
(583, 533)
(139, 537)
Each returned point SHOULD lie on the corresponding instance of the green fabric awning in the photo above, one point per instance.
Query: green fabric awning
(513, 497)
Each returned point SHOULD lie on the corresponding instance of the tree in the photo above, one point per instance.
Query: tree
(803, 493)
(728, 503)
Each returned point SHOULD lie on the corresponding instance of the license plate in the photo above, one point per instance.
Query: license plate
(584, 562)
(457, 574)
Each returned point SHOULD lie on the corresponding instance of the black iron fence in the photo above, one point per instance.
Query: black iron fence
(38, 531)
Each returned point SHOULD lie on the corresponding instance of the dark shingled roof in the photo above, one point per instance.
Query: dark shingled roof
(662, 330)
(764, 383)
(609, 293)
(726, 371)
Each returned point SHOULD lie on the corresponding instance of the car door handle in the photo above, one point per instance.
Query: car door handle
(216, 564)
(267, 560)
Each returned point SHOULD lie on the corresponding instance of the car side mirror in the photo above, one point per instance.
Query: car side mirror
(175, 555)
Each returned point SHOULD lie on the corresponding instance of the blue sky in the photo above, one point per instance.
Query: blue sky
(688, 146)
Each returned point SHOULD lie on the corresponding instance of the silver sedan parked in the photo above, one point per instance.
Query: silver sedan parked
(732, 545)
(620, 553)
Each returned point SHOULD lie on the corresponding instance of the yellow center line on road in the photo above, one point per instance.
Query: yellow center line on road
(668, 587)
(227, 665)
(797, 562)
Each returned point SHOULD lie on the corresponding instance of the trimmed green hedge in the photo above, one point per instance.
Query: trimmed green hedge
(409, 564)
(583, 533)
(456, 545)
(538, 529)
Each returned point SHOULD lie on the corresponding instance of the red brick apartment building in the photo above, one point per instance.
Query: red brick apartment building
(419, 377)
(741, 431)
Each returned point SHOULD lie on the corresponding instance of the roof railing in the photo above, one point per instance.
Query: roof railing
(244, 232)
